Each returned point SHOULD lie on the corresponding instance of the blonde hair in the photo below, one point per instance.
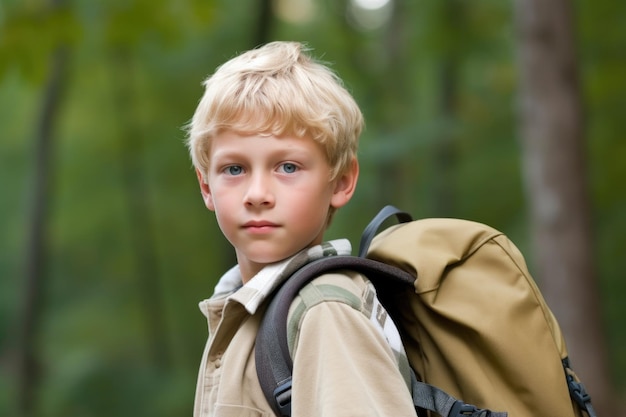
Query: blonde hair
(277, 89)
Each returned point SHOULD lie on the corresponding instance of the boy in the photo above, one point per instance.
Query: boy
(274, 142)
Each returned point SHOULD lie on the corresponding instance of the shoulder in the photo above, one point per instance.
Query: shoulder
(347, 287)
(347, 293)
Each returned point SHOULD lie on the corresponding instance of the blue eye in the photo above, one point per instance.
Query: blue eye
(289, 168)
(234, 170)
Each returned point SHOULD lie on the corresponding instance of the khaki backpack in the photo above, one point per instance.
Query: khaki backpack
(473, 322)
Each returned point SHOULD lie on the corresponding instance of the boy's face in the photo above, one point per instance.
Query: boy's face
(271, 196)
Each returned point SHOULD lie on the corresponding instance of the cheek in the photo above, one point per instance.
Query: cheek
(221, 201)
(225, 219)
(225, 200)
(313, 204)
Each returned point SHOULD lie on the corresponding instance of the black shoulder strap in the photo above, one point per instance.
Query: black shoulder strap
(273, 360)
(372, 228)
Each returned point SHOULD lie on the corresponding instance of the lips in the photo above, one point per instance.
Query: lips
(259, 226)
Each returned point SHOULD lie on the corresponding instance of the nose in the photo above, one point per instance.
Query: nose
(259, 192)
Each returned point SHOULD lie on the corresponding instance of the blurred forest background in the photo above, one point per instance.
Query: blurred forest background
(505, 112)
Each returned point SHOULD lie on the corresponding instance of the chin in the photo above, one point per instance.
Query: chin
(266, 259)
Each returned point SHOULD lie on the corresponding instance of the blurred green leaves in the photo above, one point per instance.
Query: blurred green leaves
(29, 36)
(134, 79)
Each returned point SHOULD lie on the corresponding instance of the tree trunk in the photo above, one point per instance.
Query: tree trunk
(552, 133)
(265, 20)
(139, 211)
(28, 371)
(445, 153)
(394, 172)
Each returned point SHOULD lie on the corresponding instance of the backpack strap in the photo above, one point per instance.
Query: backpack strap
(372, 228)
(273, 360)
(429, 397)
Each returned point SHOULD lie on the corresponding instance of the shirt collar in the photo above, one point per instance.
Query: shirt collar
(254, 292)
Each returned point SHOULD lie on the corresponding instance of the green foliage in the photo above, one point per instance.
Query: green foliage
(29, 35)
(134, 78)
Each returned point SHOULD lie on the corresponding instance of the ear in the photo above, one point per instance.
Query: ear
(345, 185)
(205, 190)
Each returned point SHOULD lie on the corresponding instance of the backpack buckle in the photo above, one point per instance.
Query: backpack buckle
(461, 409)
(578, 392)
(282, 394)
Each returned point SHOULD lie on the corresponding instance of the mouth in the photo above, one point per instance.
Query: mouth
(259, 226)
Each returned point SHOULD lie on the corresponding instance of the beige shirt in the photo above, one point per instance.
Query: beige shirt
(348, 359)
